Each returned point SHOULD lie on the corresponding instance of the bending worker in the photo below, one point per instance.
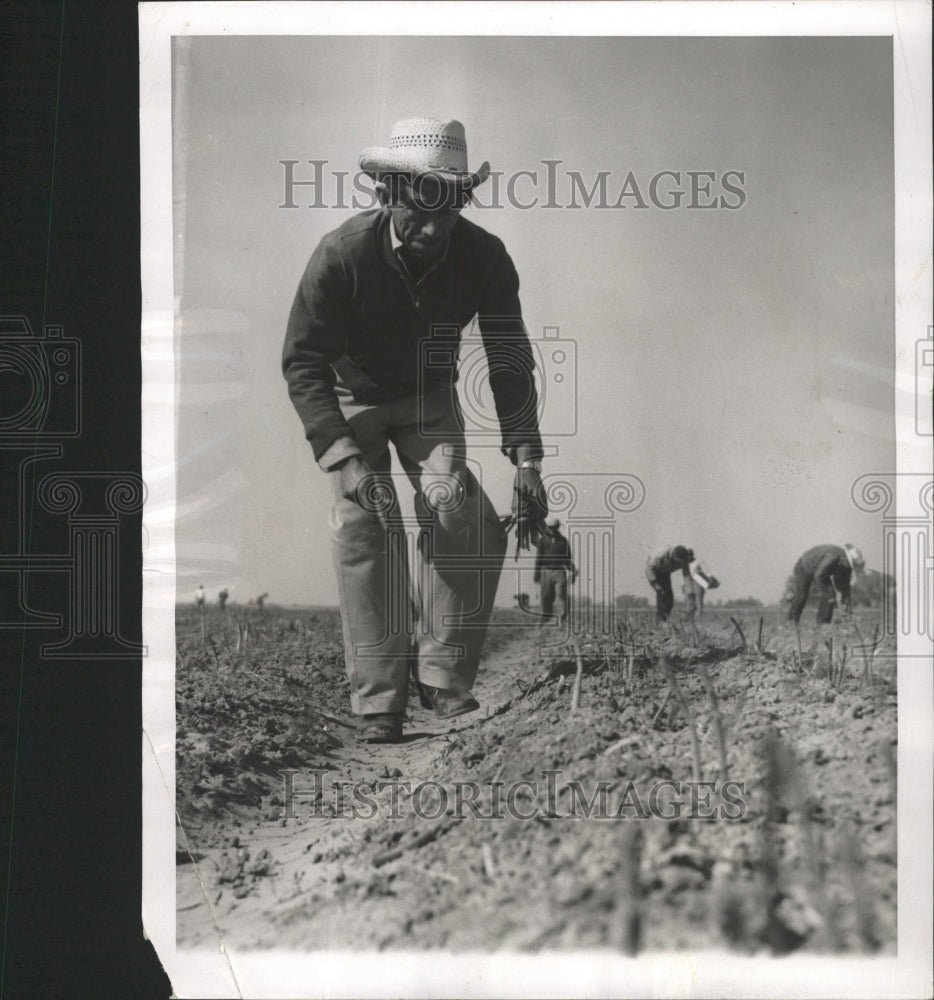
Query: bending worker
(370, 358)
(553, 563)
(658, 572)
(830, 568)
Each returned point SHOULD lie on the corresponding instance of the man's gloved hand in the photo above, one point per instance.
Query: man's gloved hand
(529, 508)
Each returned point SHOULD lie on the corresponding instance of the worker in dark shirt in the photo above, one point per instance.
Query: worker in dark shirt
(553, 563)
(830, 569)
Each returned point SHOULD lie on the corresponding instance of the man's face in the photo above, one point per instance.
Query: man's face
(425, 213)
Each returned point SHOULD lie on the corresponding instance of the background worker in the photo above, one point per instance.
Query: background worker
(830, 568)
(658, 572)
(553, 563)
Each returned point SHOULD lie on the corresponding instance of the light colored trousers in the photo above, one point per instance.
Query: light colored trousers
(554, 593)
(414, 596)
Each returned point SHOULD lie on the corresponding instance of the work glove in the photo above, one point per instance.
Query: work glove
(529, 510)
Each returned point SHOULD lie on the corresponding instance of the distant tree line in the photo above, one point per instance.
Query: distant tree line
(633, 601)
(866, 591)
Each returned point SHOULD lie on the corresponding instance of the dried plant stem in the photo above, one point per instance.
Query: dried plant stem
(661, 708)
(630, 894)
(739, 629)
(759, 640)
(841, 673)
(688, 714)
(812, 853)
(784, 781)
(243, 633)
(769, 867)
(489, 865)
(865, 656)
(717, 720)
(576, 689)
(868, 655)
(854, 867)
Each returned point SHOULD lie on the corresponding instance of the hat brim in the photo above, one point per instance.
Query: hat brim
(378, 160)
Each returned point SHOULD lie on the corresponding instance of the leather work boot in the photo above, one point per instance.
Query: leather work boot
(383, 727)
(446, 704)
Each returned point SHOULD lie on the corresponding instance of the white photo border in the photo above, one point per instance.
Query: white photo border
(223, 973)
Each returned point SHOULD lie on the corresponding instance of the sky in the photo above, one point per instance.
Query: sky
(738, 362)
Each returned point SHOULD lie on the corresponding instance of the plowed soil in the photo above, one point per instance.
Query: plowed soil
(799, 855)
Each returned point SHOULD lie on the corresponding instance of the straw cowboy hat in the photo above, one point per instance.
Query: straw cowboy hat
(423, 145)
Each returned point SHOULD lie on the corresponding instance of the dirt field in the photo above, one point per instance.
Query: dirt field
(799, 857)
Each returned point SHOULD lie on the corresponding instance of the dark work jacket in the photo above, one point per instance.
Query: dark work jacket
(662, 564)
(826, 562)
(358, 325)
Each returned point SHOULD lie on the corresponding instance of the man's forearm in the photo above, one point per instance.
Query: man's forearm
(313, 397)
(315, 337)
